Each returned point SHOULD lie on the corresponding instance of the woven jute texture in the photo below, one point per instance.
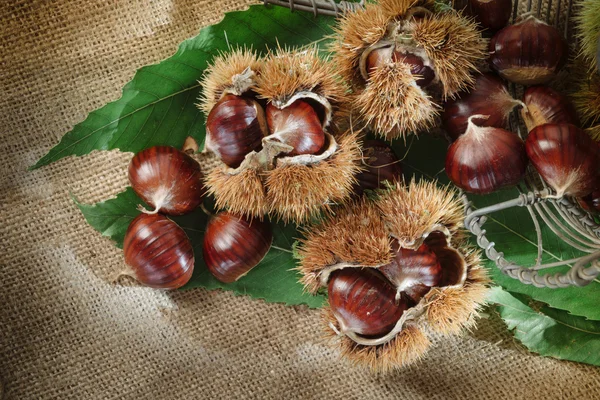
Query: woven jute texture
(68, 332)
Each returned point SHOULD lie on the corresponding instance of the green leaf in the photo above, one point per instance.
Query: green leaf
(547, 331)
(158, 105)
(513, 232)
(273, 280)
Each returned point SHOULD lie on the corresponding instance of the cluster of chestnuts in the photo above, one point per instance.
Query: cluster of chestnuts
(158, 252)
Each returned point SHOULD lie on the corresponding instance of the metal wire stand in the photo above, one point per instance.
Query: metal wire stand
(565, 219)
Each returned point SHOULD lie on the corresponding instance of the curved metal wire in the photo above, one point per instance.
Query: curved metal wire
(566, 220)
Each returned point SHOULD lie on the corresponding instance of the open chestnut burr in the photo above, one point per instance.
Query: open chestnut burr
(529, 52)
(412, 53)
(394, 266)
(273, 129)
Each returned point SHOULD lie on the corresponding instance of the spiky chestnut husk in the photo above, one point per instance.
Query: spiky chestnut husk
(359, 235)
(586, 97)
(449, 43)
(293, 188)
(587, 21)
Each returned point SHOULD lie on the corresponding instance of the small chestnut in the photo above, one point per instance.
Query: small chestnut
(297, 125)
(424, 74)
(489, 96)
(413, 272)
(591, 202)
(363, 301)
(380, 164)
(529, 52)
(235, 127)
(565, 157)
(486, 159)
(491, 14)
(158, 252)
(546, 105)
(167, 179)
(233, 245)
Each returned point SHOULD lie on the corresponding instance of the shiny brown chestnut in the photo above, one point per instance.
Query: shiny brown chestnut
(158, 252)
(591, 202)
(565, 157)
(486, 159)
(297, 125)
(380, 164)
(545, 105)
(167, 179)
(235, 127)
(233, 245)
(529, 52)
(363, 302)
(424, 74)
(493, 15)
(413, 272)
(489, 96)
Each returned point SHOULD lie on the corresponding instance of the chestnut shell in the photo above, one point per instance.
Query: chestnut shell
(158, 252)
(380, 164)
(565, 157)
(233, 245)
(491, 14)
(364, 302)
(167, 179)
(235, 127)
(529, 52)
(546, 105)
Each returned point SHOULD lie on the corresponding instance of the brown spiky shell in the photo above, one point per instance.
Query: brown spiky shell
(586, 97)
(359, 235)
(390, 102)
(290, 189)
(587, 20)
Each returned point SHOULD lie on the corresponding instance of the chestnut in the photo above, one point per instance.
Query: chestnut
(423, 74)
(545, 105)
(297, 125)
(363, 301)
(235, 127)
(380, 164)
(529, 52)
(565, 157)
(167, 179)
(413, 272)
(489, 96)
(486, 159)
(158, 252)
(233, 245)
(492, 15)
(591, 202)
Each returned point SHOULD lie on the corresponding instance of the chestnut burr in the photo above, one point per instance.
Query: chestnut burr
(233, 245)
(167, 179)
(363, 302)
(158, 252)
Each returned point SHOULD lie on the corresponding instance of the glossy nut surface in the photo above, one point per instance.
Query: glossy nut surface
(233, 245)
(530, 52)
(380, 164)
(486, 159)
(167, 179)
(546, 105)
(158, 251)
(566, 157)
(363, 301)
(235, 127)
(424, 74)
(493, 15)
(297, 125)
(489, 97)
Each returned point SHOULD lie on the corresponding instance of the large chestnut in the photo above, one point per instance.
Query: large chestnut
(167, 179)
(363, 301)
(233, 245)
(491, 14)
(297, 125)
(545, 105)
(413, 272)
(489, 97)
(380, 164)
(158, 252)
(565, 157)
(235, 127)
(486, 159)
(529, 52)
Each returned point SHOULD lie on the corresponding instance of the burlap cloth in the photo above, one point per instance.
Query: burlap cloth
(66, 332)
